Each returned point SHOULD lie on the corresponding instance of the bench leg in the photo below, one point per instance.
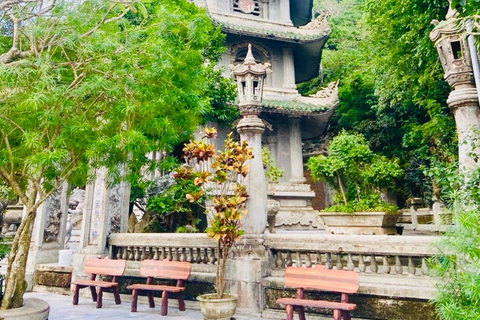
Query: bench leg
(116, 294)
(76, 291)
(133, 307)
(181, 303)
(337, 315)
(301, 313)
(151, 302)
(99, 297)
(164, 308)
(346, 315)
(289, 310)
(94, 293)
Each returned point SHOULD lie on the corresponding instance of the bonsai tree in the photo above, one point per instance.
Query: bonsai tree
(356, 173)
(220, 176)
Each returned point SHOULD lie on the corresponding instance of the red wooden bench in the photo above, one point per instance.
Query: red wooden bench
(318, 278)
(162, 269)
(97, 267)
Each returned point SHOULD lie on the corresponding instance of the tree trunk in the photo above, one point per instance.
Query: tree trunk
(15, 285)
(342, 190)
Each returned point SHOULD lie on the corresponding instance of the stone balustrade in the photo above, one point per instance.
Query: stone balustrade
(194, 248)
(396, 255)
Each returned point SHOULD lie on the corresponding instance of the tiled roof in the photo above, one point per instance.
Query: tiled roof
(294, 107)
(269, 30)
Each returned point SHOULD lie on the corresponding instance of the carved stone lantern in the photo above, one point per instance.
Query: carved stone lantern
(452, 46)
(250, 77)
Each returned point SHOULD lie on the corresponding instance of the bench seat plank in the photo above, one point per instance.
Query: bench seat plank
(154, 287)
(103, 284)
(317, 304)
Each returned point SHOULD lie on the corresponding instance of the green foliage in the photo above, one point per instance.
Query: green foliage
(221, 185)
(458, 264)
(170, 210)
(391, 83)
(272, 172)
(92, 84)
(356, 173)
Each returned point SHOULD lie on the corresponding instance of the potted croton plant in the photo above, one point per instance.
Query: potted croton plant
(358, 176)
(219, 176)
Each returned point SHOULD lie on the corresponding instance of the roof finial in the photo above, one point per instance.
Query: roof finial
(249, 59)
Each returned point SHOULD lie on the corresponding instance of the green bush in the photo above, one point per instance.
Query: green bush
(356, 173)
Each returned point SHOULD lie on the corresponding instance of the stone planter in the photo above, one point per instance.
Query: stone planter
(33, 309)
(367, 223)
(217, 309)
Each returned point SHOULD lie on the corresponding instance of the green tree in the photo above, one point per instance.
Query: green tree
(94, 83)
(391, 83)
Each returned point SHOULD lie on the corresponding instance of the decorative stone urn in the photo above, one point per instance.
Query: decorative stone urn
(217, 309)
(367, 223)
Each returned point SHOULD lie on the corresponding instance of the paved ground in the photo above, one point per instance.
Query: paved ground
(61, 308)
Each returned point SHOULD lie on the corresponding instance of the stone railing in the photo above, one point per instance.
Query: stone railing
(194, 248)
(395, 255)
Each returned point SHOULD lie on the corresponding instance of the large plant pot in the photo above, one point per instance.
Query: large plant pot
(217, 309)
(360, 222)
(33, 309)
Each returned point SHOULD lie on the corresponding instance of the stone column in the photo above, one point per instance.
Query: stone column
(48, 232)
(250, 130)
(288, 69)
(285, 12)
(296, 157)
(464, 104)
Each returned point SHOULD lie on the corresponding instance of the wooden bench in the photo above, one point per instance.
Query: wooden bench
(318, 278)
(163, 269)
(97, 267)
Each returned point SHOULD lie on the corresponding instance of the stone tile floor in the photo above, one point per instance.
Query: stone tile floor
(61, 308)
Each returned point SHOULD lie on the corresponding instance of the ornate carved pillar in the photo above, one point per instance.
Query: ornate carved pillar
(48, 232)
(452, 47)
(285, 12)
(296, 158)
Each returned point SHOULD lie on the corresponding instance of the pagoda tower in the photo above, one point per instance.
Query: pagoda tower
(282, 34)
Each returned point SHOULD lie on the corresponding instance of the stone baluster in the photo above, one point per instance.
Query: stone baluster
(155, 253)
(398, 265)
(190, 255)
(198, 258)
(131, 255)
(298, 261)
(308, 261)
(386, 265)
(205, 255)
(289, 259)
(278, 260)
(328, 260)
(373, 264)
(143, 254)
(424, 268)
(169, 254)
(339, 262)
(119, 253)
(213, 258)
(350, 264)
(411, 267)
(361, 263)
(164, 253)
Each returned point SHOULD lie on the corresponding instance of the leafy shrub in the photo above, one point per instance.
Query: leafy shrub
(355, 172)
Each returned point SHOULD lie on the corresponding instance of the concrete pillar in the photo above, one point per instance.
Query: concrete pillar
(250, 130)
(48, 236)
(288, 69)
(296, 158)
